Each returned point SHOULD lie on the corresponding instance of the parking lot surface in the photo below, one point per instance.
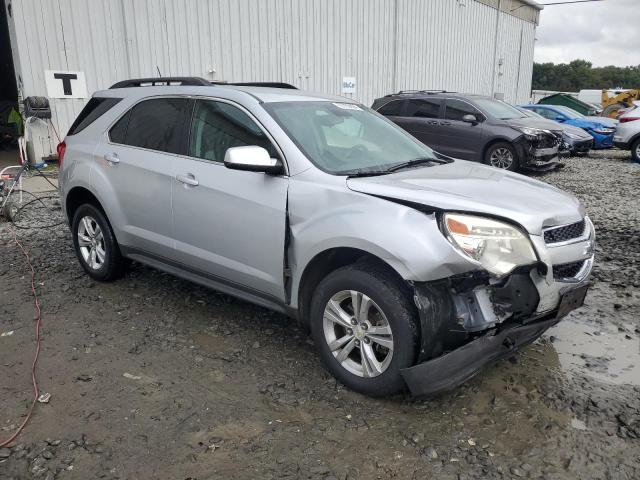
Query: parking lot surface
(154, 377)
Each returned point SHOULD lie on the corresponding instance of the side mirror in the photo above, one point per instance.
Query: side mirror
(252, 159)
(470, 119)
(559, 119)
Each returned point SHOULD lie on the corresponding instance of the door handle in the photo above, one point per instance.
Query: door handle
(432, 122)
(188, 179)
(112, 158)
(445, 123)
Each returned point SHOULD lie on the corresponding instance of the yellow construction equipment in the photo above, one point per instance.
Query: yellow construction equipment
(614, 101)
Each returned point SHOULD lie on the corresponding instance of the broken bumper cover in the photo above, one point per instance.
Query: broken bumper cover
(540, 153)
(451, 369)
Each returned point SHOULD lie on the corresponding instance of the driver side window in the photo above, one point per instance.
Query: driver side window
(547, 113)
(217, 126)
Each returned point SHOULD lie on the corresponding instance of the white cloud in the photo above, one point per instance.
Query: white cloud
(604, 33)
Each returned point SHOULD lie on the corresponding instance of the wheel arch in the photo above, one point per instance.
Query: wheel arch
(78, 196)
(633, 140)
(495, 141)
(325, 262)
(515, 143)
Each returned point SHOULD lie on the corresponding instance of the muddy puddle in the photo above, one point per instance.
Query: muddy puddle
(607, 353)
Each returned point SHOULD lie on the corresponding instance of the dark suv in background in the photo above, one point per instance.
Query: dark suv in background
(474, 127)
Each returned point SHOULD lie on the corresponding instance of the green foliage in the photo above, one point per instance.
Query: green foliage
(580, 74)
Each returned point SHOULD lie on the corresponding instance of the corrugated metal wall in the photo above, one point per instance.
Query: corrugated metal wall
(386, 44)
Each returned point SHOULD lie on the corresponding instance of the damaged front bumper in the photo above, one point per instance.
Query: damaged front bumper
(540, 153)
(470, 320)
(453, 368)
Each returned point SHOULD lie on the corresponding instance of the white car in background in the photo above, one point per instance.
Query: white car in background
(627, 135)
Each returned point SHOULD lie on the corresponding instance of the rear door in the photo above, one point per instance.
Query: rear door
(229, 225)
(461, 139)
(134, 173)
(421, 119)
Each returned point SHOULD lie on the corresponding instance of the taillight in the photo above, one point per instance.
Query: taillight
(62, 147)
(628, 119)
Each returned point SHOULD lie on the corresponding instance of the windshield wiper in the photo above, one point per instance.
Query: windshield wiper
(414, 162)
(439, 159)
(365, 173)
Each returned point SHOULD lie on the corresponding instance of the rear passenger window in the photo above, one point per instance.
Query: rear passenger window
(393, 108)
(424, 108)
(155, 124)
(93, 110)
(218, 126)
(456, 109)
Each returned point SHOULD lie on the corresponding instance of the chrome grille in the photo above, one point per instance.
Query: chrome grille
(565, 233)
(567, 270)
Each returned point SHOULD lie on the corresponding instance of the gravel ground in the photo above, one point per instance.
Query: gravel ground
(153, 377)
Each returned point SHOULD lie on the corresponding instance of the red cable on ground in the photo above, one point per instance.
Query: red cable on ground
(6, 442)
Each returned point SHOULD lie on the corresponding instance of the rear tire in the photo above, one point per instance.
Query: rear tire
(635, 151)
(502, 155)
(95, 244)
(368, 349)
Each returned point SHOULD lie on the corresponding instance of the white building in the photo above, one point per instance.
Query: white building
(381, 46)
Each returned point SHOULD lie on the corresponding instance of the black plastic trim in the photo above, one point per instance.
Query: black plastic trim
(161, 81)
(206, 279)
(451, 369)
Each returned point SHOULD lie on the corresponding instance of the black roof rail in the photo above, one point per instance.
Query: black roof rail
(407, 92)
(140, 82)
(259, 84)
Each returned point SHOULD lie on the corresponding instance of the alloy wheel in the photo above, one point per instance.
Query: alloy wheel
(358, 333)
(501, 158)
(91, 242)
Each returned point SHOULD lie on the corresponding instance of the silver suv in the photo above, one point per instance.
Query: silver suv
(409, 268)
(627, 134)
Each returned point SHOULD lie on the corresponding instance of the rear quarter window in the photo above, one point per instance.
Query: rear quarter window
(94, 109)
(393, 108)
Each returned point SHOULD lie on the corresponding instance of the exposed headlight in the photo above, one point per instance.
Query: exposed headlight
(603, 131)
(498, 247)
(529, 131)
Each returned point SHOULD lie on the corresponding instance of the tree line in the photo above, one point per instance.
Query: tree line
(580, 74)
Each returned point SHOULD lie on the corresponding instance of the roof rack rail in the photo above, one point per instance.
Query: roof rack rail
(259, 84)
(141, 82)
(403, 92)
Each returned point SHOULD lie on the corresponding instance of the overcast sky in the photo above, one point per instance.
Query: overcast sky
(604, 33)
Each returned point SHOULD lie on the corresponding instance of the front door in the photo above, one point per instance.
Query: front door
(461, 139)
(229, 225)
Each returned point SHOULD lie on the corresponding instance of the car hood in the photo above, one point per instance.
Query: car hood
(541, 123)
(552, 125)
(587, 124)
(606, 121)
(575, 130)
(476, 188)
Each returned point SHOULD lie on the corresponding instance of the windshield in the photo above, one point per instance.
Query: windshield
(498, 109)
(569, 112)
(344, 138)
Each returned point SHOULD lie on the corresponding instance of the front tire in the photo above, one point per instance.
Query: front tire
(95, 244)
(365, 329)
(502, 155)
